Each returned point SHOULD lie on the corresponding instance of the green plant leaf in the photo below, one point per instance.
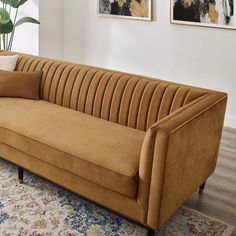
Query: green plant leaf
(5, 1)
(26, 20)
(4, 15)
(21, 2)
(6, 27)
(14, 3)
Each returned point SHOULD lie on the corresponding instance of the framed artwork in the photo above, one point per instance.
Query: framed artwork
(211, 13)
(131, 9)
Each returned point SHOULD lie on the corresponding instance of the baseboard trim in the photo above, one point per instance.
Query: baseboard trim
(230, 121)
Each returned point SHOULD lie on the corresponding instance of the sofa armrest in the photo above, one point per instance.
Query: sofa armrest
(178, 154)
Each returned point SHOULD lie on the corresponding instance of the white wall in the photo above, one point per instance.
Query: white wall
(26, 36)
(51, 31)
(193, 55)
(46, 39)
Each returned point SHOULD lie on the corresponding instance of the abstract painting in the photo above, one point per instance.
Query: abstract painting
(213, 13)
(132, 9)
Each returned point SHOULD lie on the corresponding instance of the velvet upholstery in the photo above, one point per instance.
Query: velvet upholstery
(155, 144)
(183, 149)
(76, 143)
(20, 84)
(127, 99)
(126, 206)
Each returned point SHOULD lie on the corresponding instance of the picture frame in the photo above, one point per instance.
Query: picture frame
(125, 9)
(206, 13)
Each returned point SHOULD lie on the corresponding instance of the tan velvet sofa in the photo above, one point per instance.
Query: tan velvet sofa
(135, 145)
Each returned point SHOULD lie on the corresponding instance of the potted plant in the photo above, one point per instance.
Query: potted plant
(10, 8)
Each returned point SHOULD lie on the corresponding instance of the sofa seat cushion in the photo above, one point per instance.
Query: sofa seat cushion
(102, 152)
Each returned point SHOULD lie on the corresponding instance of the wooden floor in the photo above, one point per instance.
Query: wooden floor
(219, 197)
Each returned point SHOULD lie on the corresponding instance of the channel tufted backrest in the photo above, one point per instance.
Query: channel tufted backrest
(129, 100)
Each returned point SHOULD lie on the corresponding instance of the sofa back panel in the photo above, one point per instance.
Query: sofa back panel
(113, 107)
(126, 100)
(89, 106)
(21, 63)
(135, 102)
(166, 101)
(155, 104)
(60, 87)
(107, 96)
(85, 87)
(129, 100)
(100, 93)
(145, 105)
(67, 88)
(55, 87)
(48, 70)
(179, 99)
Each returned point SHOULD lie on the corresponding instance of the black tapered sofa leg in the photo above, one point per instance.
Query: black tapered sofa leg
(201, 188)
(20, 175)
(151, 232)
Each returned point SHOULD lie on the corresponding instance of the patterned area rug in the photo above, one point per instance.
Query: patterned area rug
(38, 207)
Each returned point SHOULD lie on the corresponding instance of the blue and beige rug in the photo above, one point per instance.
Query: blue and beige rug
(42, 208)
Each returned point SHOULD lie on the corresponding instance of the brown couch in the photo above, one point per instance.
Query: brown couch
(135, 145)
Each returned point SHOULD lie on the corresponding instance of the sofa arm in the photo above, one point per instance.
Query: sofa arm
(178, 155)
